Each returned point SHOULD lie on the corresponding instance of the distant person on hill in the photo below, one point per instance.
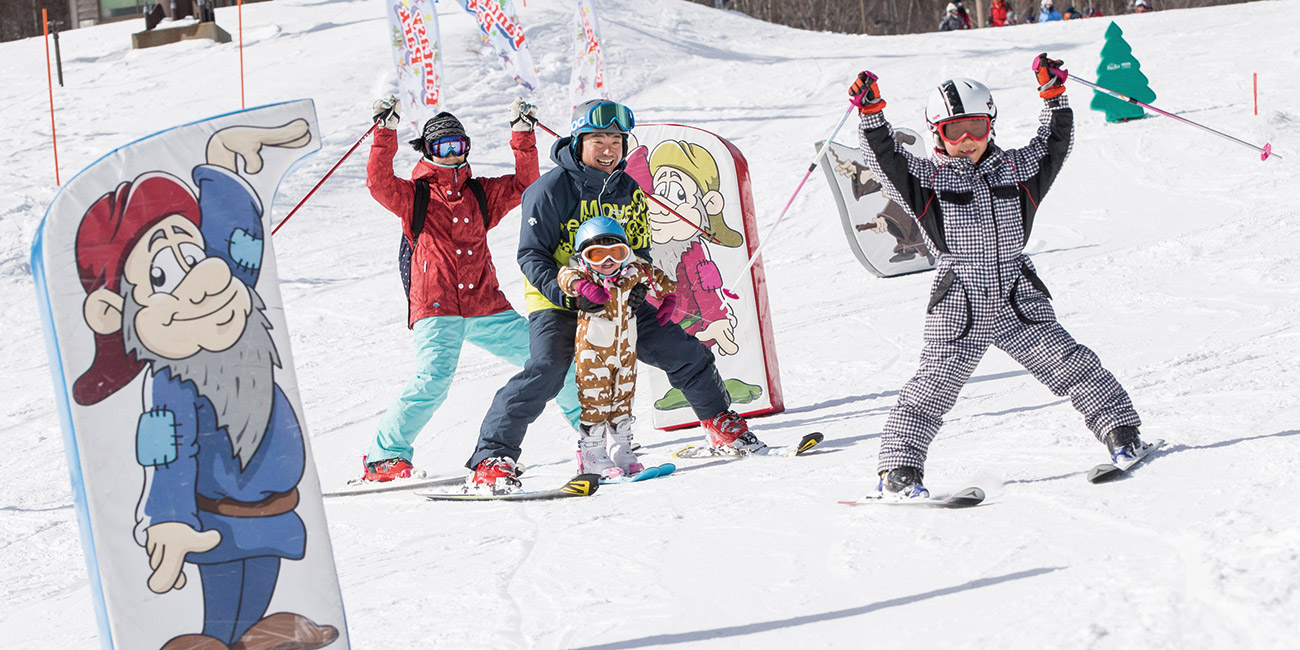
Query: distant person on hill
(965, 16)
(1092, 12)
(998, 13)
(1048, 13)
(453, 295)
(1071, 13)
(952, 20)
(1142, 6)
(976, 203)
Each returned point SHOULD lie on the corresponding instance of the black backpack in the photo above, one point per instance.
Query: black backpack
(418, 214)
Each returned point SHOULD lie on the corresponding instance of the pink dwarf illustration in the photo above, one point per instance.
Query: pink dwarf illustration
(684, 176)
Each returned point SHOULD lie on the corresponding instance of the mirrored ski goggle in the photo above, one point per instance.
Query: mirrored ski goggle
(452, 145)
(602, 115)
(952, 131)
(598, 253)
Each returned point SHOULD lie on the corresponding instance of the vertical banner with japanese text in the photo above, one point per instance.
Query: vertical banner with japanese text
(499, 22)
(417, 53)
(588, 79)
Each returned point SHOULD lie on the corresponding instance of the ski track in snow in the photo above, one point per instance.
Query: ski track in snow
(1169, 252)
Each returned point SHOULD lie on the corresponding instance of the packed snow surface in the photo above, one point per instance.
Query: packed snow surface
(1169, 251)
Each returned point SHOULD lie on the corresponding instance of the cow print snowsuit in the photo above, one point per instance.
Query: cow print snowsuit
(605, 348)
(977, 218)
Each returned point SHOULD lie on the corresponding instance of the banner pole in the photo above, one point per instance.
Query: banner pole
(49, 80)
(240, 11)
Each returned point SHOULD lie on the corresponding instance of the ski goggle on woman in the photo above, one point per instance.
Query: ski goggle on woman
(453, 145)
(952, 131)
(602, 115)
(599, 253)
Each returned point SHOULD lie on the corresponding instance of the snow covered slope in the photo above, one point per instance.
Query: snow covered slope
(1171, 253)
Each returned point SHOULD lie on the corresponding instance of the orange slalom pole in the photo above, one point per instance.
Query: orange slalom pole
(49, 79)
(240, 11)
(1254, 89)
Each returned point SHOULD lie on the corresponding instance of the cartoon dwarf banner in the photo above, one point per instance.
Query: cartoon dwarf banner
(195, 489)
(499, 22)
(417, 53)
(704, 179)
(883, 235)
(588, 78)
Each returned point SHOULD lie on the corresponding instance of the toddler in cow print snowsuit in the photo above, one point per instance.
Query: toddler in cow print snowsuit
(976, 203)
(604, 270)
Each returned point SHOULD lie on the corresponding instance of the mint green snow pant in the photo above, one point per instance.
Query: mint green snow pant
(438, 340)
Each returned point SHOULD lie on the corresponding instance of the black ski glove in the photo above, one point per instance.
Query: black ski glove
(636, 297)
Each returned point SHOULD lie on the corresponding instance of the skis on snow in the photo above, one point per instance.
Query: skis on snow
(971, 496)
(798, 449)
(358, 486)
(656, 471)
(1111, 471)
(582, 485)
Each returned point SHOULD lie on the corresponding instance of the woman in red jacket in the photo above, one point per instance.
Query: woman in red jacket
(998, 13)
(454, 296)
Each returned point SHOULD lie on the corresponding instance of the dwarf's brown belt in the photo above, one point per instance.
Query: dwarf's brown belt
(276, 504)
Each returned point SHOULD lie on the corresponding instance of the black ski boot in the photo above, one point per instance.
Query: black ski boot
(902, 483)
(1123, 443)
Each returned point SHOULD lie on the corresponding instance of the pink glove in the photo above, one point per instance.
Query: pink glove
(591, 291)
(666, 309)
(707, 276)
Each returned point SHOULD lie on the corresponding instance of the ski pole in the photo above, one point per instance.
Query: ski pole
(820, 152)
(322, 180)
(650, 196)
(1265, 151)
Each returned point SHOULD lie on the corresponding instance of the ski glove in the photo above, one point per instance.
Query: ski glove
(865, 93)
(523, 116)
(594, 293)
(386, 112)
(1051, 76)
(636, 296)
(666, 309)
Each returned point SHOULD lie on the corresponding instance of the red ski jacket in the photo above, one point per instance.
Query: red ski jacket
(451, 267)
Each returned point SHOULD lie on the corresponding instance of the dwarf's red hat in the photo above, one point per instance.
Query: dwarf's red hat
(107, 233)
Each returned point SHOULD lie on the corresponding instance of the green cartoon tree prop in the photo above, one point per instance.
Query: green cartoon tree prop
(1120, 72)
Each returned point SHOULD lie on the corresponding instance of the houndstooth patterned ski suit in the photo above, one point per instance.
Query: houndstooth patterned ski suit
(605, 346)
(977, 218)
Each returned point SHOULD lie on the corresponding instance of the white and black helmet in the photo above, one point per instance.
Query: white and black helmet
(960, 97)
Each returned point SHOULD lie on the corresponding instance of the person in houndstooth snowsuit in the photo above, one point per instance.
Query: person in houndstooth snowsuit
(976, 203)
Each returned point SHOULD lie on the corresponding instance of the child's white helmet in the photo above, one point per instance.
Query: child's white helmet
(960, 97)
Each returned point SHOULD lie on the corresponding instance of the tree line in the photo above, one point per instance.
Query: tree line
(911, 16)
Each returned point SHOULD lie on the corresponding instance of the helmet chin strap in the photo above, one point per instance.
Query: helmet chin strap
(603, 276)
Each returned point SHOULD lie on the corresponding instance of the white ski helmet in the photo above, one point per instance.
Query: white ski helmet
(960, 97)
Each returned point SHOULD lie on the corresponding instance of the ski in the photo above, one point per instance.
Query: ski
(1111, 471)
(971, 496)
(798, 449)
(582, 485)
(657, 471)
(358, 486)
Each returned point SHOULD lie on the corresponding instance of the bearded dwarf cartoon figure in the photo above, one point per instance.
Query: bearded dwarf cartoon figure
(685, 177)
(170, 290)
